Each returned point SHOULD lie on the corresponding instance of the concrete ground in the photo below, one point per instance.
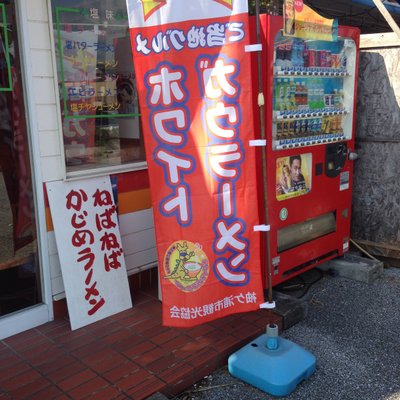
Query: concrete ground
(352, 328)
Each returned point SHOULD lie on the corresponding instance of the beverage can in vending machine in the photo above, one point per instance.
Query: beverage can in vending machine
(306, 56)
(279, 129)
(303, 126)
(292, 126)
(329, 59)
(319, 125)
(311, 126)
(335, 61)
(322, 59)
(339, 128)
(311, 58)
(285, 130)
(328, 99)
(343, 61)
(333, 125)
(326, 124)
(317, 58)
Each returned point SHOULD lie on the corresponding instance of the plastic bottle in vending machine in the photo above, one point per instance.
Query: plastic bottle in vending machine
(341, 96)
(321, 94)
(304, 94)
(337, 102)
(292, 99)
(316, 94)
(343, 61)
(277, 87)
(298, 94)
(306, 56)
(311, 94)
(294, 53)
(300, 53)
(288, 55)
(279, 55)
(286, 95)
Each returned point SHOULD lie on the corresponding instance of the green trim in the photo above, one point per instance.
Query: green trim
(7, 50)
(101, 116)
(60, 53)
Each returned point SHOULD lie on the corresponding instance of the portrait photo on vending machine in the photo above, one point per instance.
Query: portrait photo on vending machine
(293, 176)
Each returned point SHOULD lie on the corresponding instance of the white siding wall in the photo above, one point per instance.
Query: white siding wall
(137, 229)
(44, 84)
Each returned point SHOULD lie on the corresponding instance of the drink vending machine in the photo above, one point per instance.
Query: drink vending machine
(310, 93)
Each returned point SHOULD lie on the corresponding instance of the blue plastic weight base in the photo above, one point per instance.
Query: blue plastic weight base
(276, 372)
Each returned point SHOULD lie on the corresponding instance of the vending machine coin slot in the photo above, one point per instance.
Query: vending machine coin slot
(335, 158)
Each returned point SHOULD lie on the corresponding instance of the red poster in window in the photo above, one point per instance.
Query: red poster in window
(193, 80)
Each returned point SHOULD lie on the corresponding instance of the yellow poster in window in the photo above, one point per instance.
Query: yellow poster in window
(303, 22)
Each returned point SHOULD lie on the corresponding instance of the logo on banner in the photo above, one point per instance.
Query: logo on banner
(227, 3)
(186, 265)
(150, 6)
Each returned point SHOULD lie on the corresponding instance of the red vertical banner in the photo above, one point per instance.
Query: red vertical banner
(193, 77)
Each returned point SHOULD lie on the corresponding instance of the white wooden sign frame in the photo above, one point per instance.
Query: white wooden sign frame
(90, 249)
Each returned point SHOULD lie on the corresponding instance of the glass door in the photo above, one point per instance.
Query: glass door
(20, 281)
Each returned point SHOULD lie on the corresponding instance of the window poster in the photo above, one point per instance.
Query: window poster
(193, 83)
(97, 83)
(293, 176)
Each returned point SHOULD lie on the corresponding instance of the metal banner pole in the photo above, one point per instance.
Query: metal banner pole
(264, 160)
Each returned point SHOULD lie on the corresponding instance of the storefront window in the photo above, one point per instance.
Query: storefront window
(20, 280)
(99, 105)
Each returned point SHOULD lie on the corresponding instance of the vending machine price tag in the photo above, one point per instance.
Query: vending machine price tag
(344, 180)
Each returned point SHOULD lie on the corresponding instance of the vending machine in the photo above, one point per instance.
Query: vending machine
(310, 96)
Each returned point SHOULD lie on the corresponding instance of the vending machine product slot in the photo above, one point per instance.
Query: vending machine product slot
(303, 232)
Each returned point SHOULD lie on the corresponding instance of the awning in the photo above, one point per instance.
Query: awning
(393, 6)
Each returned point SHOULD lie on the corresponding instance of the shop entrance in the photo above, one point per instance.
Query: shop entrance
(20, 281)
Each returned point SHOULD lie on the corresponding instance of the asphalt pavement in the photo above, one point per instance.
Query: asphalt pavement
(352, 328)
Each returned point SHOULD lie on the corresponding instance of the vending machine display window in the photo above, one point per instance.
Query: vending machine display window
(313, 87)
